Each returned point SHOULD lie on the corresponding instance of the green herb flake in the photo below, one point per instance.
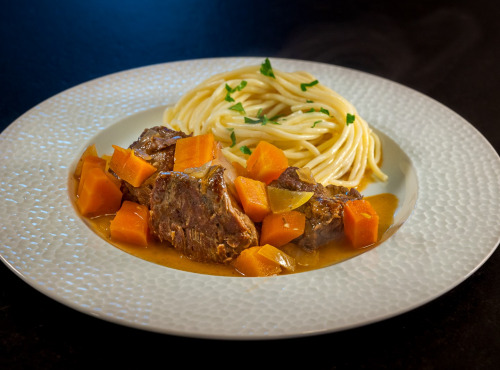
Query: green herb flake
(245, 150)
(233, 139)
(304, 86)
(325, 111)
(252, 121)
(350, 118)
(311, 110)
(238, 107)
(241, 86)
(262, 119)
(315, 123)
(309, 101)
(266, 69)
(231, 90)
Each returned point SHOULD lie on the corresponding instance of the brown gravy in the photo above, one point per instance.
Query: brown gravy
(162, 254)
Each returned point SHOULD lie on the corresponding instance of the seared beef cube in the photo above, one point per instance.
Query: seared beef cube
(199, 217)
(324, 211)
(156, 145)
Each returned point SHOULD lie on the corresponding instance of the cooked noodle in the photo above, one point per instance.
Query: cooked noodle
(311, 126)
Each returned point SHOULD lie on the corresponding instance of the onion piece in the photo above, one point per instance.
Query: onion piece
(230, 172)
(305, 175)
(284, 200)
(198, 172)
(278, 256)
(301, 256)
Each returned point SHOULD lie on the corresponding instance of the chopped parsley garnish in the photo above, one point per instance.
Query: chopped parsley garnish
(266, 69)
(245, 150)
(304, 87)
(252, 121)
(240, 87)
(231, 90)
(262, 119)
(238, 107)
(321, 110)
(315, 123)
(350, 118)
(325, 111)
(309, 101)
(233, 139)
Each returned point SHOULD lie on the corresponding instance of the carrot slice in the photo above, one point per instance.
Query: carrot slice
(281, 228)
(130, 224)
(253, 197)
(89, 151)
(129, 167)
(240, 170)
(360, 223)
(251, 263)
(193, 151)
(99, 194)
(88, 163)
(267, 162)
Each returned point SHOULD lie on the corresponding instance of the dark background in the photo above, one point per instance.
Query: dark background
(448, 50)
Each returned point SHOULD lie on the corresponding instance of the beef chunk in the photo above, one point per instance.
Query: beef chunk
(155, 145)
(199, 217)
(324, 211)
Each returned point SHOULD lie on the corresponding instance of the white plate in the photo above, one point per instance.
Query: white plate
(452, 230)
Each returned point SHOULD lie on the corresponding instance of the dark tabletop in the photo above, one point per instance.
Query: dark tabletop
(448, 50)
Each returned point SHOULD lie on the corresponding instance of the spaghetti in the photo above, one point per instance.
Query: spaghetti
(315, 126)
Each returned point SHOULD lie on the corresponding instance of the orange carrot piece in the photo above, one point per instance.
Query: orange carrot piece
(99, 194)
(266, 163)
(107, 158)
(129, 167)
(251, 263)
(360, 223)
(88, 163)
(89, 151)
(130, 224)
(253, 197)
(240, 170)
(281, 228)
(194, 151)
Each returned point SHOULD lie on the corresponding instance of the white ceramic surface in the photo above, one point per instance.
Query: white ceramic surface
(430, 152)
